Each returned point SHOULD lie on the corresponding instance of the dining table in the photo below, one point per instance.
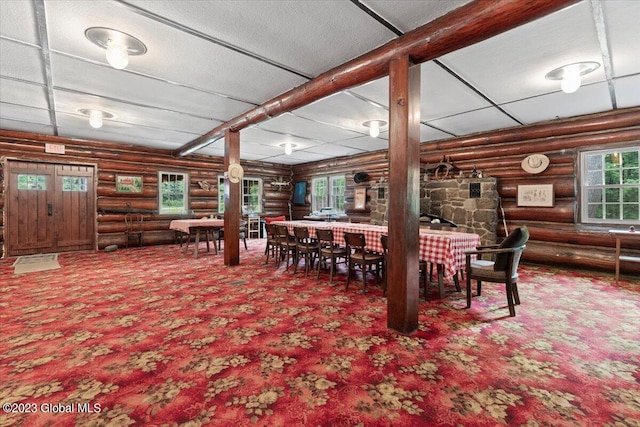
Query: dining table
(444, 248)
(195, 227)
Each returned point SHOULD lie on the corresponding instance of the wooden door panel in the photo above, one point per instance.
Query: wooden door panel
(50, 208)
(29, 224)
(75, 207)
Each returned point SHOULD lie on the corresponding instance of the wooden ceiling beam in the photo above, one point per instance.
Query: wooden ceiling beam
(462, 27)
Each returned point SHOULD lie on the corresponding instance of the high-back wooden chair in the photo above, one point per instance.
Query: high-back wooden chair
(307, 248)
(329, 251)
(359, 257)
(502, 269)
(133, 227)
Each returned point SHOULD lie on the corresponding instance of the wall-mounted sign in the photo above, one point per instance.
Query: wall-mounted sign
(54, 148)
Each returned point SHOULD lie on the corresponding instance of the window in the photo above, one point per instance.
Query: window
(610, 186)
(32, 182)
(251, 197)
(173, 192)
(74, 183)
(328, 192)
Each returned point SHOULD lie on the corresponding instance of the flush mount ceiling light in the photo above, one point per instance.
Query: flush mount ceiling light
(288, 147)
(374, 127)
(96, 116)
(570, 76)
(119, 45)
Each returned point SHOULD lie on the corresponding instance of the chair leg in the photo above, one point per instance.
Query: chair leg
(364, 279)
(349, 266)
(516, 297)
(468, 291)
(512, 309)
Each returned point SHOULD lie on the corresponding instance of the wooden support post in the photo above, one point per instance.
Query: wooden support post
(404, 195)
(231, 201)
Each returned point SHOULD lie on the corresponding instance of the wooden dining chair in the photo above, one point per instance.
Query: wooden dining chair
(502, 269)
(133, 227)
(287, 245)
(306, 248)
(271, 246)
(358, 256)
(422, 267)
(329, 251)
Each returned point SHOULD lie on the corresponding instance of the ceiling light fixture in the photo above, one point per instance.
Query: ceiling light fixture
(96, 117)
(118, 45)
(374, 127)
(570, 76)
(288, 147)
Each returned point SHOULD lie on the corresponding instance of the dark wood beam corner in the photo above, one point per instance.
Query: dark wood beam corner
(404, 195)
(231, 201)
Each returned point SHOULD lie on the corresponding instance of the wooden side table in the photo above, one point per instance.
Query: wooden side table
(620, 235)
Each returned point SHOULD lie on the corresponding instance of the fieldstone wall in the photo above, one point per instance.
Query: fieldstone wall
(450, 199)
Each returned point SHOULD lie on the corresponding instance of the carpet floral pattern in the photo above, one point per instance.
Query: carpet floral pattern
(150, 336)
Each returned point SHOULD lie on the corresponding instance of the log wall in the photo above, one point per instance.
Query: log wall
(557, 236)
(112, 159)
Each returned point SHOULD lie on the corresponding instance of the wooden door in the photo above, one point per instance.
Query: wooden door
(50, 208)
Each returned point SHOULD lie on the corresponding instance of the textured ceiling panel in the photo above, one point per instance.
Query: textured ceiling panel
(474, 121)
(137, 89)
(307, 36)
(25, 114)
(25, 126)
(513, 65)
(18, 21)
(21, 62)
(413, 13)
(20, 93)
(622, 18)
(589, 99)
(293, 125)
(628, 91)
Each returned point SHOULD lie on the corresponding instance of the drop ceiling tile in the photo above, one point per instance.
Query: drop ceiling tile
(25, 114)
(132, 116)
(366, 143)
(309, 37)
(21, 93)
(25, 126)
(428, 133)
(512, 66)
(627, 91)
(588, 99)
(410, 14)
(291, 124)
(334, 150)
(133, 88)
(71, 126)
(21, 61)
(343, 111)
(169, 50)
(621, 19)
(474, 121)
(18, 21)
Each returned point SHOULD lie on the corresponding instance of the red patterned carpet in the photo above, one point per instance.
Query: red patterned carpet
(150, 336)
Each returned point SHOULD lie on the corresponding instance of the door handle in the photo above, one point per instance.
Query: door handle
(50, 209)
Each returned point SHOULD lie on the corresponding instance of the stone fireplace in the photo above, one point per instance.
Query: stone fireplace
(450, 199)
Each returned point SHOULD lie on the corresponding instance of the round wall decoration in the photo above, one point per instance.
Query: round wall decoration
(235, 173)
(535, 163)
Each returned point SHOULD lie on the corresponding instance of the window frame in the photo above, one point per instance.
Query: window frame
(585, 188)
(185, 193)
(331, 198)
(243, 197)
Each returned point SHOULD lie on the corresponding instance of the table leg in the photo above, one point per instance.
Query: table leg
(440, 269)
(195, 251)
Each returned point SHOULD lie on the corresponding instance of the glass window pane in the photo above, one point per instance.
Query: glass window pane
(612, 195)
(594, 178)
(595, 211)
(631, 211)
(630, 159)
(630, 176)
(594, 195)
(631, 195)
(612, 211)
(594, 162)
(612, 177)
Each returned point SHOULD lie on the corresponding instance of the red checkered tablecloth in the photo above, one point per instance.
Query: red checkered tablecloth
(440, 247)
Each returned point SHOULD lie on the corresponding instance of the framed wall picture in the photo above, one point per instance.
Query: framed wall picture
(128, 184)
(299, 193)
(536, 195)
(360, 199)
